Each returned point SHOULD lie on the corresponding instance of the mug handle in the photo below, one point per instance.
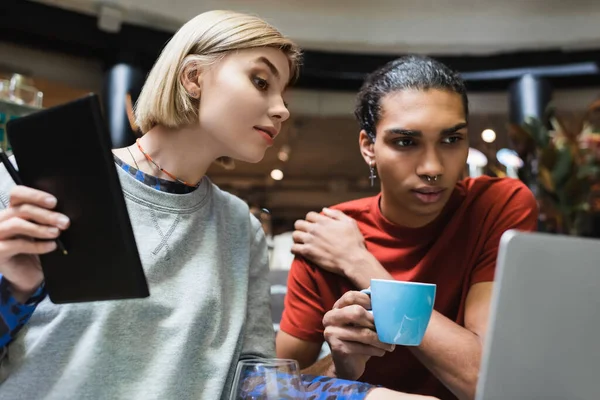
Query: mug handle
(367, 291)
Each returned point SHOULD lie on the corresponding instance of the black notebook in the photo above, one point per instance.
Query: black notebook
(66, 151)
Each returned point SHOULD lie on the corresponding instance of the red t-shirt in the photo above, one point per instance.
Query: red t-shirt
(455, 251)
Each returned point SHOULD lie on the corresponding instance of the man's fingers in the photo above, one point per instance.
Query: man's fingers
(351, 315)
(335, 214)
(315, 217)
(354, 348)
(300, 249)
(302, 225)
(356, 335)
(351, 298)
(300, 237)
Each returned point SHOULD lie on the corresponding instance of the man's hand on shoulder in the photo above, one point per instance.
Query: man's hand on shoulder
(331, 240)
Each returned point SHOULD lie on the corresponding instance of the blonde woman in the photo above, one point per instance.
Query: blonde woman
(215, 93)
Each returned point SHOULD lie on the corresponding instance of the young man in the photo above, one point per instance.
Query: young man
(426, 225)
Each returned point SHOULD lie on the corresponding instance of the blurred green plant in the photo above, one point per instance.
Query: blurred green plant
(562, 161)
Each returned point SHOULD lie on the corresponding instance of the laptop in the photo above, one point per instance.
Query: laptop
(543, 340)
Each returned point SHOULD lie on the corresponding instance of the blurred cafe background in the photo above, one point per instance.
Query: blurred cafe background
(532, 69)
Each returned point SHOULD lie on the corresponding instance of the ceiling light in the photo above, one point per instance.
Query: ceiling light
(488, 136)
(277, 174)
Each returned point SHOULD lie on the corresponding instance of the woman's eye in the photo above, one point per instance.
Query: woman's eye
(261, 83)
(404, 142)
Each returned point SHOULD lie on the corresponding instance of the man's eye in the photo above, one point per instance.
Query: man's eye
(404, 142)
(452, 139)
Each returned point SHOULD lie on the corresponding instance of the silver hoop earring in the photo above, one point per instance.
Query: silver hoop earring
(372, 175)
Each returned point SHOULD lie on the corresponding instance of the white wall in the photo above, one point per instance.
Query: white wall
(432, 26)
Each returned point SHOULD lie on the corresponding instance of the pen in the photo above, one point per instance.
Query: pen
(17, 179)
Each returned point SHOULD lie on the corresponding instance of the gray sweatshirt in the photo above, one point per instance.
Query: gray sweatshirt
(206, 263)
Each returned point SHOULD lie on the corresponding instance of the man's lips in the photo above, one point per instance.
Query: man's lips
(429, 190)
(428, 195)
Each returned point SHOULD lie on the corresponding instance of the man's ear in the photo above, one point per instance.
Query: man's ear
(366, 147)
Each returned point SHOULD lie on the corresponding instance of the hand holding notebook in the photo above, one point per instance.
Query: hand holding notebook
(28, 227)
(66, 151)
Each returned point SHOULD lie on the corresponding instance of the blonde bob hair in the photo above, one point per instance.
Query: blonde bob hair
(202, 41)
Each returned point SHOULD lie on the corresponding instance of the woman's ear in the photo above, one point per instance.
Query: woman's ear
(366, 147)
(191, 79)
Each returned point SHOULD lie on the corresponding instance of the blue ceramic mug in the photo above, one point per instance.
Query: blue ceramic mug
(401, 310)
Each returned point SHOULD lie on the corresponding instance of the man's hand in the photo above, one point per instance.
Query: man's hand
(350, 332)
(331, 240)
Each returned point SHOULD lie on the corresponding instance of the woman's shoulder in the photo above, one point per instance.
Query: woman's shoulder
(226, 199)
(230, 205)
